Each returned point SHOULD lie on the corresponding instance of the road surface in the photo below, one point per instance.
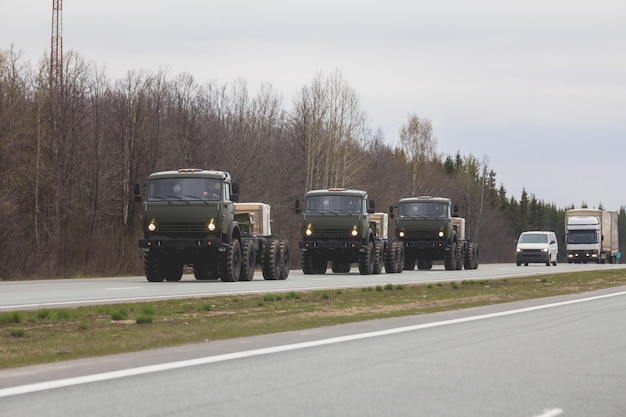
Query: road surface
(563, 356)
(21, 295)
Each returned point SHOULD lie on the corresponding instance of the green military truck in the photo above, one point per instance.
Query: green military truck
(430, 232)
(340, 226)
(192, 217)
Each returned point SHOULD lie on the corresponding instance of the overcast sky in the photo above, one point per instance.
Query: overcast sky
(535, 87)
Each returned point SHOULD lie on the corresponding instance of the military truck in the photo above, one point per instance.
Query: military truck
(192, 217)
(340, 226)
(430, 232)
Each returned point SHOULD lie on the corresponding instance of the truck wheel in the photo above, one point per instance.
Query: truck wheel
(271, 260)
(171, 269)
(284, 257)
(460, 249)
(248, 262)
(307, 263)
(468, 259)
(449, 259)
(409, 263)
(231, 262)
(205, 272)
(339, 267)
(151, 266)
(378, 257)
(320, 263)
(399, 250)
(366, 260)
(390, 266)
(426, 264)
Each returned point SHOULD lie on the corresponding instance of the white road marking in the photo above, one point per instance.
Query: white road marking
(123, 288)
(30, 388)
(551, 413)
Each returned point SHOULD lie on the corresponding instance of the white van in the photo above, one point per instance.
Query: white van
(537, 247)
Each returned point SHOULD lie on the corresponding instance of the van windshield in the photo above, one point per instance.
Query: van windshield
(533, 238)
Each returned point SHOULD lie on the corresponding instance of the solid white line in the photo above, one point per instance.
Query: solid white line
(30, 388)
(551, 413)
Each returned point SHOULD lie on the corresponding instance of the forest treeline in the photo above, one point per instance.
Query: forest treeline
(72, 146)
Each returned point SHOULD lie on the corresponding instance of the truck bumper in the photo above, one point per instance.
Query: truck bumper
(434, 250)
(179, 243)
(331, 244)
(582, 256)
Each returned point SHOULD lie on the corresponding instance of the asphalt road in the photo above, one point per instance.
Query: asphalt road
(21, 295)
(563, 356)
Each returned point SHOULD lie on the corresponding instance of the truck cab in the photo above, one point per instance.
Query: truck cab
(336, 228)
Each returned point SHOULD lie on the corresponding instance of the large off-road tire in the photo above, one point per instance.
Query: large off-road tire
(248, 261)
(271, 260)
(171, 268)
(449, 258)
(340, 267)
(424, 264)
(470, 261)
(307, 263)
(378, 257)
(230, 265)
(205, 271)
(409, 263)
(151, 266)
(399, 249)
(284, 258)
(390, 257)
(366, 260)
(460, 250)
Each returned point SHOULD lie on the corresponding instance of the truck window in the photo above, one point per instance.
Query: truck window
(584, 237)
(333, 203)
(184, 189)
(423, 209)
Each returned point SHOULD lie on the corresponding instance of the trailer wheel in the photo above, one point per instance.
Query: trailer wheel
(460, 250)
(271, 260)
(284, 257)
(248, 262)
(231, 262)
(151, 266)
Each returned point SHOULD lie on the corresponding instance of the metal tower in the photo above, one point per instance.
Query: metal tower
(56, 49)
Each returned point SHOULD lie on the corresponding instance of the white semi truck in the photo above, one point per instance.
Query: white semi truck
(591, 235)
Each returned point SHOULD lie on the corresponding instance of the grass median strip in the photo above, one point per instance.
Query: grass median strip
(49, 335)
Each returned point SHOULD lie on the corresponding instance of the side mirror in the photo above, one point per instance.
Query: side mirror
(234, 197)
(455, 213)
(297, 206)
(137, 192)
(372, 207)
(391, 214)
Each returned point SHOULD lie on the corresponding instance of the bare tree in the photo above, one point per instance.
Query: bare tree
(419, 146)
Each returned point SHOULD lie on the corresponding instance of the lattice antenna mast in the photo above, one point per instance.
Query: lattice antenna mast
(56, 50)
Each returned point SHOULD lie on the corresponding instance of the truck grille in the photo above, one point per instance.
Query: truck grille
(182, 227)
(418, 235)
(332, 233)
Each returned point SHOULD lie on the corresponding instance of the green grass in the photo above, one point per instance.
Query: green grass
(41, 336)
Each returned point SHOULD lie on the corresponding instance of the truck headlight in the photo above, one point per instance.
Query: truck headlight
(401, 234)
(308, 232)
(152, 226)
(354, 232)
(211, 226)
(441, 233)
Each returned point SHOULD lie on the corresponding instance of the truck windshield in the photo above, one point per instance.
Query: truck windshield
(583, 237)
(422, 209)
(533, 238)
(333, 203)
(184, 189)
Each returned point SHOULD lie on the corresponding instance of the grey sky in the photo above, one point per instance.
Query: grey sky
(538, 88)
